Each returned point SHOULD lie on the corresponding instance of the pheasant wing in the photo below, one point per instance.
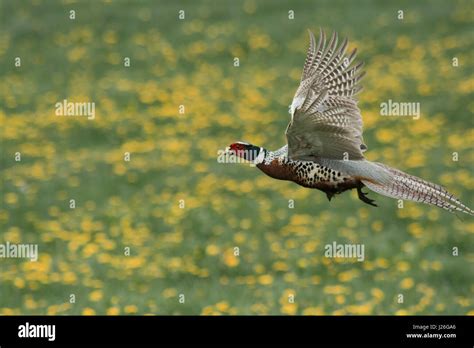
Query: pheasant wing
(325, 120)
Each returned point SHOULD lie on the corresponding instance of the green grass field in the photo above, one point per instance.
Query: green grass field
(189, 251)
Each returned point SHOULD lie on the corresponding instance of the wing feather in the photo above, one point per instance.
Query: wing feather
(325, 120)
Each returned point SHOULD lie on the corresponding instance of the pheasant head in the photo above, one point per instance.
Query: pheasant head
(247, 151)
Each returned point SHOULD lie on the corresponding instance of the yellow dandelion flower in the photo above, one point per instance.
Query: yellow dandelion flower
(240, 237)
(19, 283)
(385, 135)
(403, 42)
(280, 266)
(110, 37)
(69, 278)
(289, 308)
(310, 247)
(378, 294)
(377, 226)
(130, 309)
(407, 283)
(259, 268)
(90, 249)
(96, 295)
(76, 54)
(313, 311)
(436, 265)
(113, 311)
(13, 235)
(222, 306)
(8, 311)
(382, 262)
(288, 296)
(363, 309)
(403, 266)
(11, 198)
(30, 303)
(340, 299)
(208, 310)
(52, 310)
(169, 293)
(301, 219)
(230, 259)
(88, 311)
(347, 275)
(212, 250)
(401, 312)
(265, 279)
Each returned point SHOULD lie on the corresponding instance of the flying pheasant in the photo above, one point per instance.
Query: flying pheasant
(324, 137)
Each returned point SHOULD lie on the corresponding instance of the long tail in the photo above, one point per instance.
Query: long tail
(409, 187)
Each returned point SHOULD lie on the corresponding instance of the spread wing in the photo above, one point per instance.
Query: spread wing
(325, 120)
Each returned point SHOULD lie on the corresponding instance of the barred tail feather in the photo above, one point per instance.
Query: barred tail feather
(409, 187)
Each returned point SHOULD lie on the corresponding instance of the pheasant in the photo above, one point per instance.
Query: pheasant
(325, 147)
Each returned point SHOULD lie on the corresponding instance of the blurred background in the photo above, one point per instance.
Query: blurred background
(190, 251)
